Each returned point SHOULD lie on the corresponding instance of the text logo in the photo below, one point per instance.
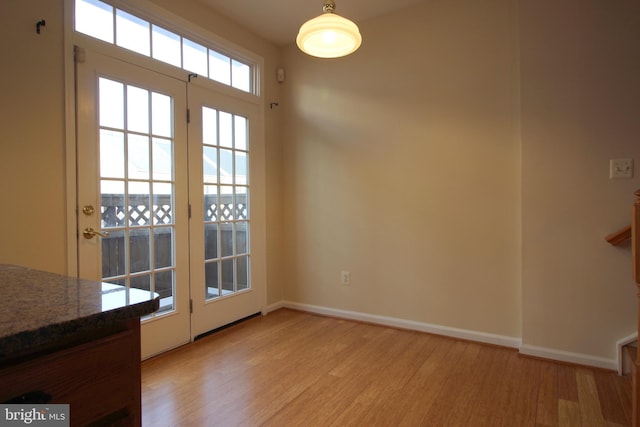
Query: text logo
(34, 415)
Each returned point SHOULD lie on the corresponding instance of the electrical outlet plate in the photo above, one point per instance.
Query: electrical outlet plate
(345, 278)
(620, 168)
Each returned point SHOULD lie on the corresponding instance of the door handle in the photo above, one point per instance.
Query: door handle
(90, 233)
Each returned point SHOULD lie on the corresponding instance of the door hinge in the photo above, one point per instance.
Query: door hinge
(189, 210)
(190, 306)
(188, 115)
(79, 55)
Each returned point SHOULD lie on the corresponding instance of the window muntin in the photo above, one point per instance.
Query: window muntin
(102, 21)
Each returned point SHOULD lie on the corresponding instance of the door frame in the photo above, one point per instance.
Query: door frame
(147, 10)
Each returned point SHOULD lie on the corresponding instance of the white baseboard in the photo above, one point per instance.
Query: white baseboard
(464, 334)
(569, 357)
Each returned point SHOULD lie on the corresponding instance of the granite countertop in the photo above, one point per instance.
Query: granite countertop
(40, 308)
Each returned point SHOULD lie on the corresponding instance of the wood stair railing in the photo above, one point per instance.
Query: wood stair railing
(635, 259)
(619, 236)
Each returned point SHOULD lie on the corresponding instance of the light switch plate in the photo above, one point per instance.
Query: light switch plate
(620, 168)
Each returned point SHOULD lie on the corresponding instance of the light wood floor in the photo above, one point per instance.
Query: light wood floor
(296, 369)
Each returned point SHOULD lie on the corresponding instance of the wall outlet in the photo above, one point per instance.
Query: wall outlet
(620, 168)
(345, 278)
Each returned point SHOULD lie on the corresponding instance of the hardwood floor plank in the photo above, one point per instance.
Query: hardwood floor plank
(567, 385)
(429, 381)
(378, 404)
(588, 399)
(547, 407)
(610, 398)
(490, 407)
(298, 369)
(569, 413)
(522, 403)
(452, 403)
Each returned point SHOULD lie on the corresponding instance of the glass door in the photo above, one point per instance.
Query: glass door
(225, 244)
(132, 189)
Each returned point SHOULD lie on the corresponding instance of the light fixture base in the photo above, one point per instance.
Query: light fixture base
(329, 6)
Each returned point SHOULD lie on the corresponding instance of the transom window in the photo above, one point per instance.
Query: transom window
(112, 25)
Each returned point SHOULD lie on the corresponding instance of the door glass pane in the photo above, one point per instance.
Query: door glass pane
(242, 267)
(139, 204)
(225, 129)
(210, 164)
(161, 115)
(113, 255)
(138, 156)
(139, 249)
(212, 284)
(227, 276)
(163, 247)
(210, 241)
(242, 203)
(137, 200)
(226, 202)
(111, 154)
(137, 109)
(226, 239)
(210, 126)
(226, 166)
(112, 205)
(111, 104)
(162, 159)
(226, 207)
(240, 133)
(242, 240)
(211, 203)
(165, 287)
(241, 169)
(162, 203)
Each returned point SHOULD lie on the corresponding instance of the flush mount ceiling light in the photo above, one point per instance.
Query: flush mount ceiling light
(329, 35)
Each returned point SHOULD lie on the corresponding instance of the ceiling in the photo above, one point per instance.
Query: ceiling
(279, 20)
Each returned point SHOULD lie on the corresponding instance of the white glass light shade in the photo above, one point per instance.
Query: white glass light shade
(329, 36)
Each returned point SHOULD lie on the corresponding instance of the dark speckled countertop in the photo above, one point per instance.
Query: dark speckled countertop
(40, 308)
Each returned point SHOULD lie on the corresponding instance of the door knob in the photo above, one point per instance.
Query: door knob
(90, 233)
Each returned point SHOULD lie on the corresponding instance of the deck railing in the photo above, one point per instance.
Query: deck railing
(143, 210)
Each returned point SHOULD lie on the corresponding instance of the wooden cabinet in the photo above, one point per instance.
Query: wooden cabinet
(98, 378)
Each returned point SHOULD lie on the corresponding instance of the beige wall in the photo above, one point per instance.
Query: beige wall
(32, 149)
(580, 108)
(402, 167)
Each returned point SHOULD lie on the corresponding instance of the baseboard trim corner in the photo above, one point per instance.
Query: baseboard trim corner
(569, 357)
(620, 344)
(276, 306)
